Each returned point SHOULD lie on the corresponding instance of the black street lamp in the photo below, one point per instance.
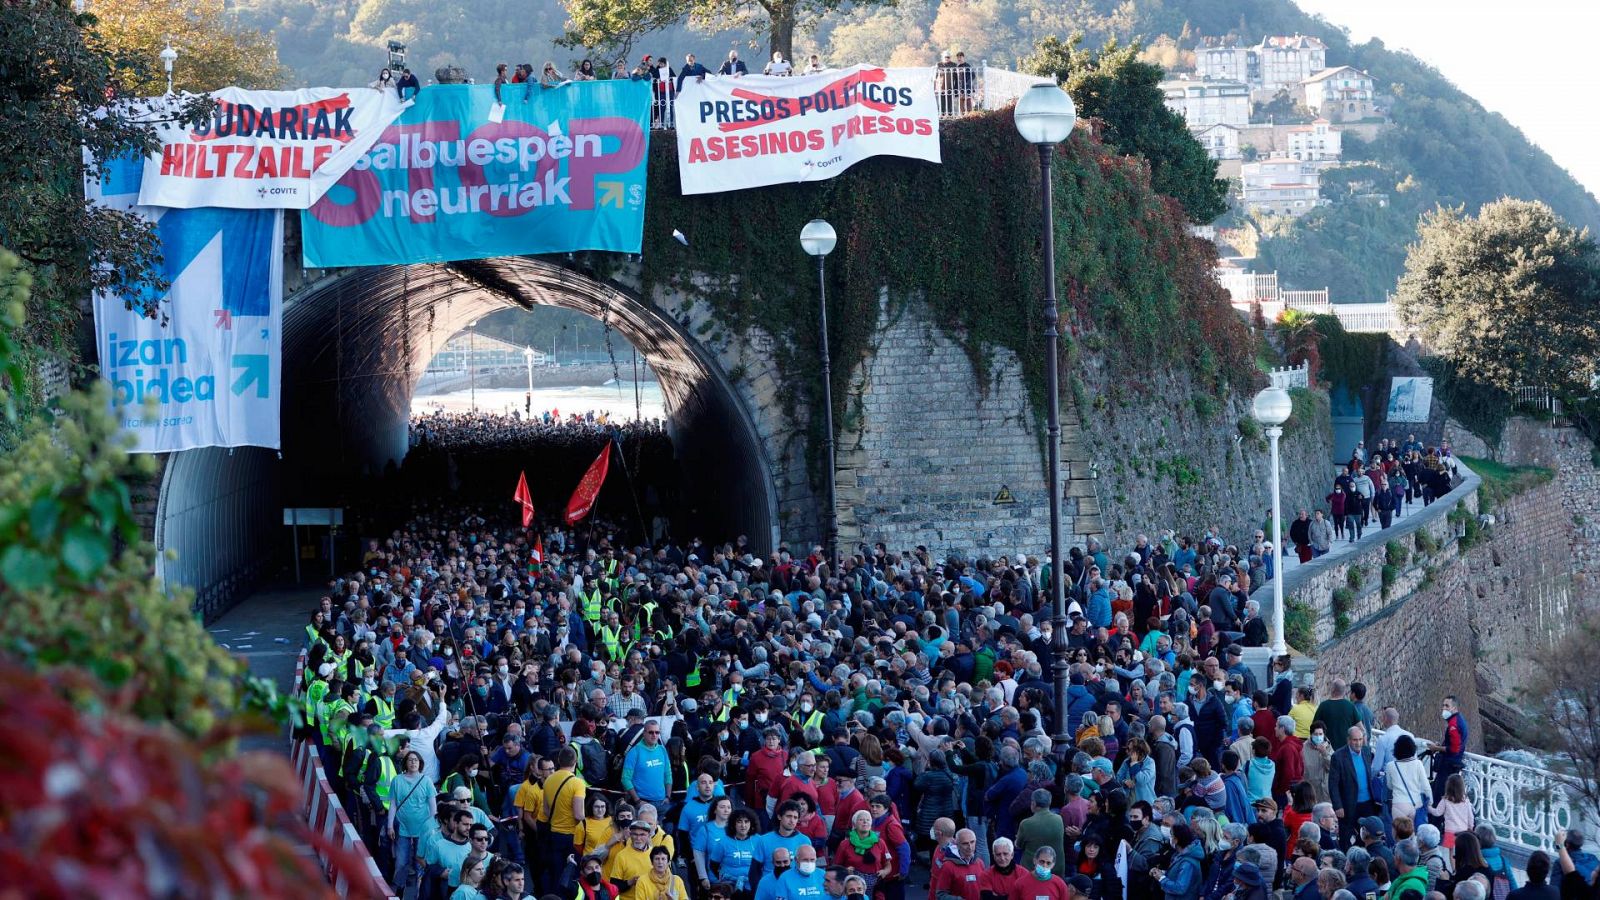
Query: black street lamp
(1045, 117)
(818, 239)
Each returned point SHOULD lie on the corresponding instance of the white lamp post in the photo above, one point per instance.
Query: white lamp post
(527, 357)
(1272, 408)
(1045, 117)
(168, 57)
(818, 238)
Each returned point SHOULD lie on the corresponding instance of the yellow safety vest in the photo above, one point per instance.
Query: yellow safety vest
(611, 636)
(693, 678)
(812, 721)
(314, 697)
(386, 773)
(591, 607)
(384, 715)
(332, 730)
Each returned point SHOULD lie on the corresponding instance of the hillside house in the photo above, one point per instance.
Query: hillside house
(1206, 103)
(1317, 142)
(1339, 94)
(1281, 186)
(1220, 140)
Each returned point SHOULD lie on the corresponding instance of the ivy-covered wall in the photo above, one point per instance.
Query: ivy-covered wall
(961, 240)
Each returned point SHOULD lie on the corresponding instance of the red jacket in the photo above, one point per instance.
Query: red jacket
(882, 854)
(1291, 764)
(997, 885)
(1030, 888)
(843, 808)
(964, 881)
(787, 788)
(765, 771)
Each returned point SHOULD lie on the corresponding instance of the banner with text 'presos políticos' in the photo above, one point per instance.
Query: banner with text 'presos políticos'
(264, 149)
(747, 132)
(460, 176)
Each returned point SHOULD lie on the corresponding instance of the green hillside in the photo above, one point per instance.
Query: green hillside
(1443, 148)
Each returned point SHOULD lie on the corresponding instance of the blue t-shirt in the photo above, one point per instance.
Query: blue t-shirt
(732, 857)
(645, 770)
(768, 843)
(794, 886)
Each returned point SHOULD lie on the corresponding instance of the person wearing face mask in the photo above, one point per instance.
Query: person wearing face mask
(1041, 882)
(466, 776)
(1210, 718)
(1317, 759)
(805, 880)
(592, 882)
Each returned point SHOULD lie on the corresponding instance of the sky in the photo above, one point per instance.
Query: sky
(1528, 60)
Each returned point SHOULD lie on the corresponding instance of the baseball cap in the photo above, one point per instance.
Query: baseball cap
(1266, 803)
(1372, 824)
(1081, 884)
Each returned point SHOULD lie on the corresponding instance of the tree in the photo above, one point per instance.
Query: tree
(1114, 86)
(213, 50)
(1510, 296)
(53, 108)
(1564, 691)
(611, 27)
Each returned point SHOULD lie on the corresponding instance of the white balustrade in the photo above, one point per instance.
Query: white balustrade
(1525, 806)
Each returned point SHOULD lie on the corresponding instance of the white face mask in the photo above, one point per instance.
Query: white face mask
(1444, 713)
(807, 866)
(472, 773)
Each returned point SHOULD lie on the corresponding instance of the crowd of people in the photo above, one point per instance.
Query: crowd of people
(955, 79)
(480, 430)
(548, 711)
(1380, 486)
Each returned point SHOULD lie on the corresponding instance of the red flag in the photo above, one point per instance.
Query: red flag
(588, 489)
(525, 499)
(537, 556)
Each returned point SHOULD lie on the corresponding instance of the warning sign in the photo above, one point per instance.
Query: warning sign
(1003, 497)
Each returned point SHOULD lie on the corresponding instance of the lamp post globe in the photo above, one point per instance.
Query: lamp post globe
(1045, 114)
(1272, 406)
(818, 238)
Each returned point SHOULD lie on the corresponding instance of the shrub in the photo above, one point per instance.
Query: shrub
(1426, 544)
(1396, 554)
(1299, 625)
(1353, 578)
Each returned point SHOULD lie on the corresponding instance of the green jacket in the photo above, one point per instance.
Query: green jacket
(1414, 880)
(1042, 829)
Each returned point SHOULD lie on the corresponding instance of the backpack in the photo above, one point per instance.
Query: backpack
(592, 762)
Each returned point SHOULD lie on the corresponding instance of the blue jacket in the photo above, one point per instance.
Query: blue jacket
(1099, 610)
(1237, 805)
(1079, 701)
(1184, 880)
(997, 802)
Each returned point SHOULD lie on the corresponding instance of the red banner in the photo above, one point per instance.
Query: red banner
(525, 499)
(588, 489)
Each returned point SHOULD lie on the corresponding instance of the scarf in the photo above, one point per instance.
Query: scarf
(860, 843)
(663, 881)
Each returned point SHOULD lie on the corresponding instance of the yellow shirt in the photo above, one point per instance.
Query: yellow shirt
(559, 791)
(662, 839)
(626, 864)
(530, 798)
(1303, 714)
(647, 889)
(595, 834)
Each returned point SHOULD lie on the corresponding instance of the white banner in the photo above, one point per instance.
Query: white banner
(212, 368)
(756, 130)
(267, 149)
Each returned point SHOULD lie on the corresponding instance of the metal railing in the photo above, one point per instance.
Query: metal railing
(1526, 806)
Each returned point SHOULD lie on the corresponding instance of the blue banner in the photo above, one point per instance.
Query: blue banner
(460, 176)
(205, 370)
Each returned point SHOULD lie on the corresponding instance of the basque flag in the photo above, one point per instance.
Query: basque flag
(582, 502)
(525, 499)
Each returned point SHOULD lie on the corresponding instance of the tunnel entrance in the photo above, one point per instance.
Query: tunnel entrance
(356, 345)
(490, 408)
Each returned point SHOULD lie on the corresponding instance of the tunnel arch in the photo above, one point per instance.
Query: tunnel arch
(355, 345)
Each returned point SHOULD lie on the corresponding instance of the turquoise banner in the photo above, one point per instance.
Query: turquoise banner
(459, 176)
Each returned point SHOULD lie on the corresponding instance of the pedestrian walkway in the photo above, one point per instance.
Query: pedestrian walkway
(1295, 573)
(267, 629)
